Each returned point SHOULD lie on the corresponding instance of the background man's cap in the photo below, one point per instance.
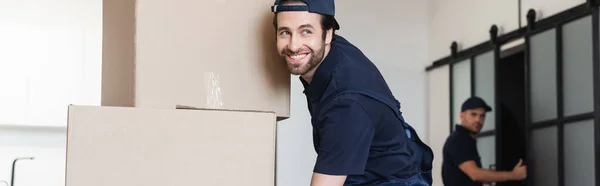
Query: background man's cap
(475, 102)
(325, 7)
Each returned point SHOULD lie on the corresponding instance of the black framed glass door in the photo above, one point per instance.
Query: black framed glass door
(484, 86)
(474, 75)
(545, 93)
(561, 114)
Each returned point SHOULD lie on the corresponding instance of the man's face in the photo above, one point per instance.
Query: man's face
(299, 41)
(473, 119)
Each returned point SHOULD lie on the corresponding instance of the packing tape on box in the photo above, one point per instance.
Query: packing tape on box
(214, 99)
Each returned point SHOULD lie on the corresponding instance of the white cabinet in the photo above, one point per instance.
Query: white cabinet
(50, 57)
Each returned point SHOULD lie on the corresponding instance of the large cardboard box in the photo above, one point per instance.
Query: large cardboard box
(126, 146)
(210, 54)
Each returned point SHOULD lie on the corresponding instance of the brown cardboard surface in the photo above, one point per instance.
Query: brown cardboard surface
(118, 52)
(209, 54)
(125, 146)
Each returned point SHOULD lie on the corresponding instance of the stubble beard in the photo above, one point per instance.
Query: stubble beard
(300, 69)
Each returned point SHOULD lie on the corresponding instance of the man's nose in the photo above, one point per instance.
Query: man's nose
(295, 44)
(480, 119)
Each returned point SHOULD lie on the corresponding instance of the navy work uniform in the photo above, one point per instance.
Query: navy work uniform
(358, 129)
(460, 147)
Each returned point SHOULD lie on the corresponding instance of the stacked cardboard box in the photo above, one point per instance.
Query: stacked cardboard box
(216, 56)
(125, 146)
(213, 54)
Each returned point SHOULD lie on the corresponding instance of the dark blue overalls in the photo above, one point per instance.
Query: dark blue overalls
(358, 128)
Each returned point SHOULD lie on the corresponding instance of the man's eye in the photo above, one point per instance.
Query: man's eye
(284, 33)
(306, 32)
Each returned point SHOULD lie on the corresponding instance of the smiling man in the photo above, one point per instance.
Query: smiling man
(359, 133)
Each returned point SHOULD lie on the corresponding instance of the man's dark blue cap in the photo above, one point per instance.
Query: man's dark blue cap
(325, 7)
(475, 102)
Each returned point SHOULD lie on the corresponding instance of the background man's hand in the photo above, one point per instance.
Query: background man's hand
(520, 171)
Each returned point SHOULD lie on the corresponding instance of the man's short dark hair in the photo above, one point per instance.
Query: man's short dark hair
(327, 21)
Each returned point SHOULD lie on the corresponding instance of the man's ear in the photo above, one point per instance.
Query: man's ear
(329, 36)
(462, 116)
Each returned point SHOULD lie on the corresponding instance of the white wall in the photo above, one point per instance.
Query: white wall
(295, 152)
(468, 22)
(393, 34)
(50, 56)
(438, 102)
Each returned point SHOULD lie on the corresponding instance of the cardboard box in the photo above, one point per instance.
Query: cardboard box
(118, 53)
(210, 54)
(125, 146)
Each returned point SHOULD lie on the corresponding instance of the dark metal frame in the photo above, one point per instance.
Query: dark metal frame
(590, 8)
(596, 66)
(493, 36)
(528, 89)
(495, 48)
(560, 103)
(451, 93)
(540, 26)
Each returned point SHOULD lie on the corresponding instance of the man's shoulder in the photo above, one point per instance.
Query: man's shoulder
(354, 68)
(346, 51)
(456, 140)
(453, 139)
